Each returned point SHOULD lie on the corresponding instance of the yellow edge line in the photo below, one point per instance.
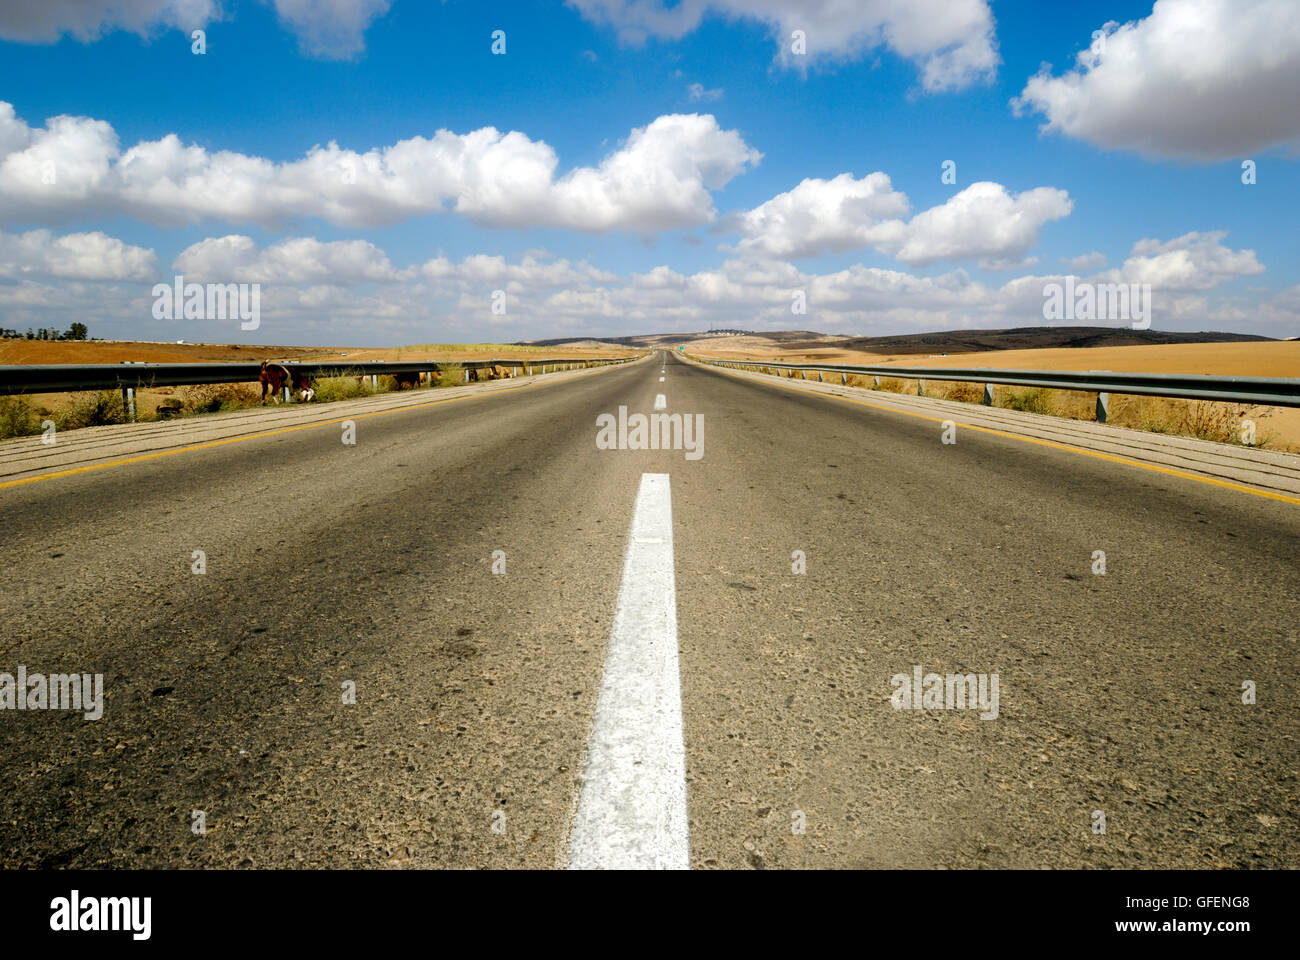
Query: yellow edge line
(1226, 484)
(158, 454)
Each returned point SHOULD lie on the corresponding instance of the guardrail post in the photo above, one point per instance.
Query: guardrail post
(844, 379)
(875, 382)
(514, 371)
(374, 381)
(128, 403)
(467, 374)
(820, 378)
(920, 388)
(988, 394)
(1103, 407)
(284, 392)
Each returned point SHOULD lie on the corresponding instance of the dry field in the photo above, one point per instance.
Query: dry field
(117, 351)
(1278, 427)
(23, 415)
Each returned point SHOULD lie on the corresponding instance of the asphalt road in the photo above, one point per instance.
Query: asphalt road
(477, 692)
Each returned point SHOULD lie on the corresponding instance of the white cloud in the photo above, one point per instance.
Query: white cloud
(696, 92)
(534, 271)
(1194, 261)
(1008, 263)
(45, 21)
(951, 40)
(983, 221)
(659, 179)
(1197, 79)
(236, 259)
(332, 29)
(73, 256)
(349, 293)
(820, 216)
(1093, 260)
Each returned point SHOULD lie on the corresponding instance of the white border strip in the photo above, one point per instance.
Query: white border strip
(632, 811)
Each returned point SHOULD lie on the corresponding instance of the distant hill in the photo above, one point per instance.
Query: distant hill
(948, 341)
(1035, 338)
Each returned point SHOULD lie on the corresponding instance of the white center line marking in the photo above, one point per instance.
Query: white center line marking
(661, 402)
(632, 811)
(661, 379)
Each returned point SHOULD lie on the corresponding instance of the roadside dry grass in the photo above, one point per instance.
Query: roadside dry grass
(92, 408)
(18, 417)
(1202, 419)
(22, 415)
(216, 397)
(1277, 428)
(450, 375)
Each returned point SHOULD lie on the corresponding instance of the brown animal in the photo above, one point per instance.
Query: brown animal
(406, 381)
(274, 376)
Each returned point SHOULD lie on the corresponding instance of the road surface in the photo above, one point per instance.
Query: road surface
(771, 722)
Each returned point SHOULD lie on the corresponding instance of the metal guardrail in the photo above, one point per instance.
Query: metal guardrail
(1272, 391)
(59, 378)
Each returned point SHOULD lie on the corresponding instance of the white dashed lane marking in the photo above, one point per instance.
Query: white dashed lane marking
(661, 402)
(632, 810)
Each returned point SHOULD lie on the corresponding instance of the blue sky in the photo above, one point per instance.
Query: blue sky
(691, 224)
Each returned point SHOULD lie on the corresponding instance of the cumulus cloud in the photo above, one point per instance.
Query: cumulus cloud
(1093, 260)
(331, 29)
(1197, 79)
(73, 256)
(547, 293)
(237, 259)
(349, 292)
(1194, 261)
(984, 220)
(661, 178)
(952, 41)
(821, 216)
(46, 21)
(533, 271)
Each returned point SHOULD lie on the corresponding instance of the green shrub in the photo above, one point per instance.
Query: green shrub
(1032, 400)
(17, 417)
(91, 408)
(215, 397)
(330, 388)
(450, 374)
